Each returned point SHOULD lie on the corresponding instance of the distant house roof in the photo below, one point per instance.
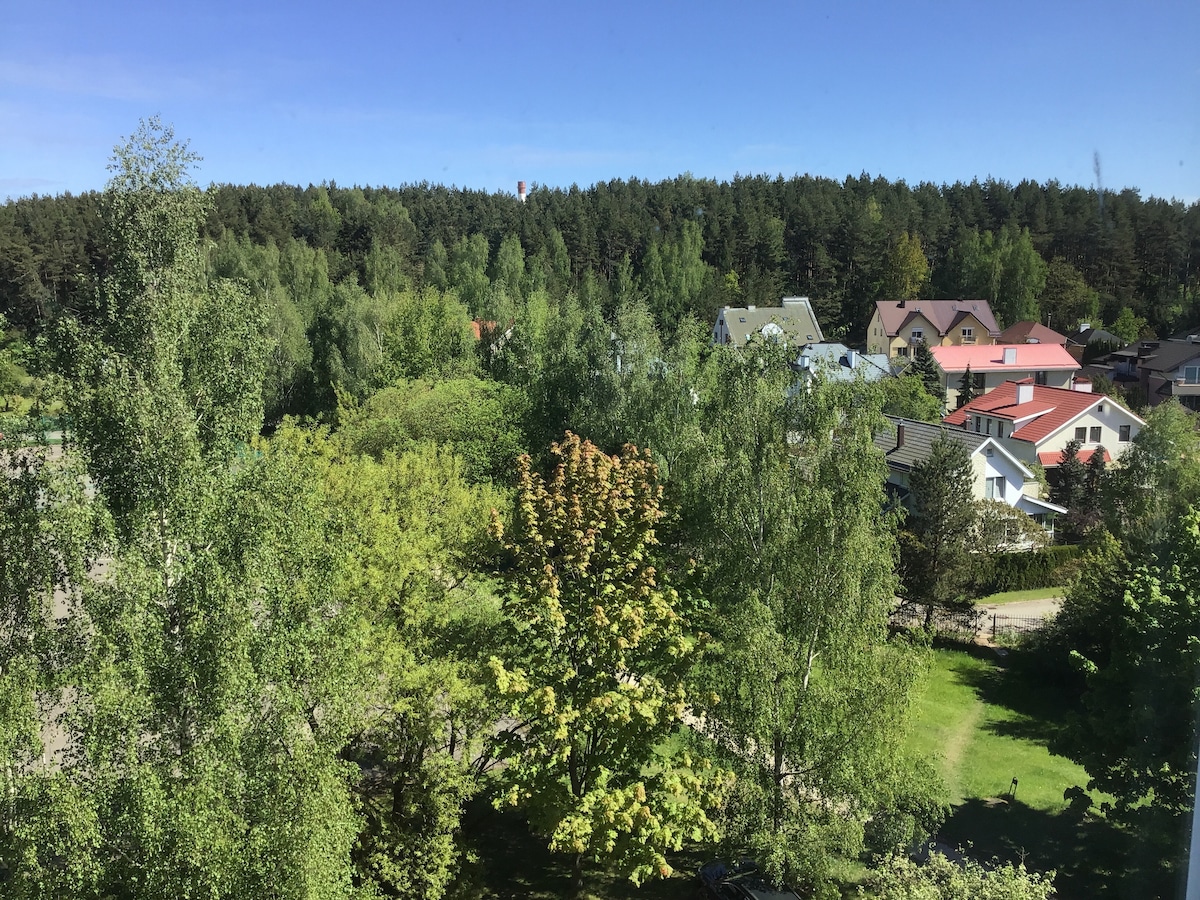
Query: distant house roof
(1046, 411)
(992, 358)
(1091, 335)
(1052, 458)
(941, 314)
(794, 321)
(903, 450)
(1169, 356)
(839, 362)
(1030, 333)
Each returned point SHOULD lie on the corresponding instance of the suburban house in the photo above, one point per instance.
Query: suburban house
(897, 326)
(1087, 343)
(794, 323)
(837, 362)
(1163, 369)
(992, 366)
(1035, 422)
(998, 474)
(1030, 333)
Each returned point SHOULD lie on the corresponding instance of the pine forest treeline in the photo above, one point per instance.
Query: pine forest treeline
(690, 244)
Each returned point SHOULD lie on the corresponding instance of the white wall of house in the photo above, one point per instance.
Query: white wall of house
(997, 477)
(1061, 378)
(1102, 426)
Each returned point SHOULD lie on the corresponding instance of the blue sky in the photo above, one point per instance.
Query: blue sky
(483, 94)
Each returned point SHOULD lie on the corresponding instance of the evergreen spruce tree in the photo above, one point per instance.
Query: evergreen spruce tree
(966, 389)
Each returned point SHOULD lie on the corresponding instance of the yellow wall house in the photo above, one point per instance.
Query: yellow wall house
(897, 326)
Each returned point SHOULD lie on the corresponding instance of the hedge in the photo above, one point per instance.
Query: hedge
(1025, 571)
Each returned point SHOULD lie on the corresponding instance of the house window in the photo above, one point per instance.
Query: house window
(1039, 378)
(1094, 437)
(994, 488)
(989, 426)
(1081, 434)
(1123, 434)
(999, 429)
(917, 334)
(968, 335)
(978, 423)
(902, 351)
(1191, 374)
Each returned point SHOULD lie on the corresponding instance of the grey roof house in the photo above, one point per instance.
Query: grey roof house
(793, 322)
(838, 362)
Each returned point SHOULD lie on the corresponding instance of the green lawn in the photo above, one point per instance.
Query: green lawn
(1013, 596)
(984, 724)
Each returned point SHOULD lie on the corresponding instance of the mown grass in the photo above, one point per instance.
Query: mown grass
(1048, 593)
(984, 722)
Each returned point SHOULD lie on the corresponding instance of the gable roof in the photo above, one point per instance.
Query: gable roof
(1035, 420)
(841, 363)
(941, 314)
(794, 318)
(1030, 333)
(990, 358)
(1091, 335)
(920, 436)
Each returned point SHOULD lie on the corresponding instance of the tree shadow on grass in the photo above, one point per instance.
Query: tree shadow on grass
(1040, 708)
(1093, 858)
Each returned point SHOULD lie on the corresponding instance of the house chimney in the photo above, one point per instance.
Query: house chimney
(1024, 392)
(851, 359)
(1083, 385)
(899, 435)
(1010, 356)
(521, 191)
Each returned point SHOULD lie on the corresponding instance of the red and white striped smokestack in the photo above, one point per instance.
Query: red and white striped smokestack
(521, 191)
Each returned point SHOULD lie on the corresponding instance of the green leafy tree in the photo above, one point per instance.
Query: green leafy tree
(1129, 326)
(1070, 478)
(596, 669)
(1157, 479)
(1136, 737)
(906, 272)
(906, 397)
(1067, 300)
(812, 694)
(900, 878)
(934, 550)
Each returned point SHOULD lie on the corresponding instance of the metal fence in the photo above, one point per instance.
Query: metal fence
(967, 625)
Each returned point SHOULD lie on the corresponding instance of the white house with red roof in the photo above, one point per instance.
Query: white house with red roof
(991, 366)
(1035, 422)
(897, 326)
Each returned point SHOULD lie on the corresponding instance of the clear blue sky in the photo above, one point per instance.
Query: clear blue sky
(483, 94)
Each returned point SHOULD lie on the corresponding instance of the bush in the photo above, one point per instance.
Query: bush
(1048, 567)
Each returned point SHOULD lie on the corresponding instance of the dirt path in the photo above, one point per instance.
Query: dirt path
(956, 746)
(1030, 609)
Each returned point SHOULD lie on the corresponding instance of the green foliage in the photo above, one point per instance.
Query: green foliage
(906, 272)
(595, 670)
(1003, 268)
(926, 369)
(1137, 737)
(907, 398)
(1067, 300)
(812, 695)
(900, 878)
(1046, 567)
(935, 563)
(476, 419)
(966, 389)
(1128, 326)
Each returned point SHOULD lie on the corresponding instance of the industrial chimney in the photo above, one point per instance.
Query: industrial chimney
(521, 191)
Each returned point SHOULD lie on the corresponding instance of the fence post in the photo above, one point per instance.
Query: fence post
(993, 626)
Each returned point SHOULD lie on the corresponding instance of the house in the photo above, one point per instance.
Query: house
(897, 326)
(1167, 369)
(793, 322)
(1086, 343)
(838, 362)
(1030, 333)
(992, 366)
(1035, 422)
(998, 474)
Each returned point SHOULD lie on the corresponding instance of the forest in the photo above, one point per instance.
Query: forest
(375, 505)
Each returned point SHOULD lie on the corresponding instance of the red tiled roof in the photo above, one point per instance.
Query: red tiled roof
(990, 358)
(1052, 458)
(941, 314)
(1051, 408)
(1030, 332)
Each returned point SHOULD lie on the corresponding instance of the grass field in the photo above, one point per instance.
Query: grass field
(1014, 596)
(984, 724)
